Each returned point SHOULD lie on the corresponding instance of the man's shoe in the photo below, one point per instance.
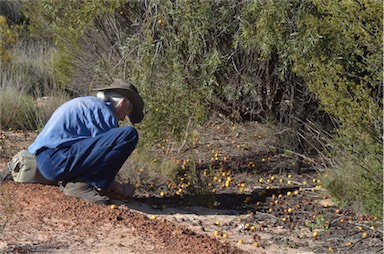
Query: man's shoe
(5, 175)
(86, 192)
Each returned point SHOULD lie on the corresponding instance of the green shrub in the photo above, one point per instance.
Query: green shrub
(340, 56)
(8, 37)
(186, 57)
(63, 23)
(336, 48)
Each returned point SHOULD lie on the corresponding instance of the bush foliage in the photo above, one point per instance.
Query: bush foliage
(291, 61)
(8, 37)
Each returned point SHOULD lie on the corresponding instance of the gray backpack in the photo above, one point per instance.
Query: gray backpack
(23, 169)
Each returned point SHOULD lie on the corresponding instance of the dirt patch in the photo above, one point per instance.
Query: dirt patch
(246, 196)
(41, 219)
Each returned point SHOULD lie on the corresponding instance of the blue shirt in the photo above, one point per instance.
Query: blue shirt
(76, 119)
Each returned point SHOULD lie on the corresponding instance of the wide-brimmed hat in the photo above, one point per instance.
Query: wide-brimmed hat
(128, 90)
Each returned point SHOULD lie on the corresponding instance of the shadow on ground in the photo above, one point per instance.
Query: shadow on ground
(205, 204)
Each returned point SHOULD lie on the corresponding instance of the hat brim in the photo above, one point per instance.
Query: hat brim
(137, 113)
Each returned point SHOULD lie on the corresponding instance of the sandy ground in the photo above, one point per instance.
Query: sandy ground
(257, 219)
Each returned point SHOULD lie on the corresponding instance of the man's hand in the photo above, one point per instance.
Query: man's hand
(120, 191)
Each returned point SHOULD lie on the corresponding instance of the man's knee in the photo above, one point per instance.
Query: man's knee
(131, 134)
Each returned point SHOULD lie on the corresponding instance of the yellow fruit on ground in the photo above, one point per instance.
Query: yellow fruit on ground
(240, 241)
(225, 235)
(113, 206)
(216, 233)
(217, 223)
(256, 244)
(162, 194)
(315, 234)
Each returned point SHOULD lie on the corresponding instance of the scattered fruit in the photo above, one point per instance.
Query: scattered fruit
(240, 241)
(225, 235)
(216, 233)
(113, 206)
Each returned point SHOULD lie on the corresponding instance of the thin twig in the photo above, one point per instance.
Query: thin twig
(186, 135)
